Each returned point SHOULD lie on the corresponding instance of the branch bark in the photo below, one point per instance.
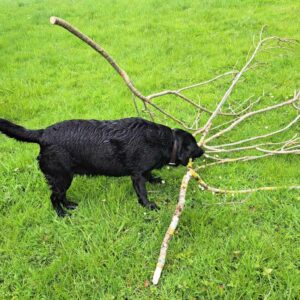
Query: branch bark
(178, 211)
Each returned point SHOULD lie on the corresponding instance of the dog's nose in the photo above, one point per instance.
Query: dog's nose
(197, 152)
(200, 152)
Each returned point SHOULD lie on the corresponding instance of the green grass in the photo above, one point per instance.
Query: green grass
(109, 247)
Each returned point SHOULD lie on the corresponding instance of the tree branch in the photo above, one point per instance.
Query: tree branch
(100, 50)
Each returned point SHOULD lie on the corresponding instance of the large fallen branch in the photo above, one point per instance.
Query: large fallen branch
(237, 112)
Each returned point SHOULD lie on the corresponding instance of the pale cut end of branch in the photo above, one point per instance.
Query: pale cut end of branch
(53, 20)
(156, 275)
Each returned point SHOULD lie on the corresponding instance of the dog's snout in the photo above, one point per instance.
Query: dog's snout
(200, 152)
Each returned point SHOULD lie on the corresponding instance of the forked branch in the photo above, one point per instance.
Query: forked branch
(205, 130)
(291, 146)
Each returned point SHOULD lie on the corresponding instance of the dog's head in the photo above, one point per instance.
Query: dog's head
(186, 147)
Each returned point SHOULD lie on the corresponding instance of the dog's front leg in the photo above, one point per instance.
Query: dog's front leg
(139, 184)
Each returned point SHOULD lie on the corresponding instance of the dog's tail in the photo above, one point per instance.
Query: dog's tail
(20, 133)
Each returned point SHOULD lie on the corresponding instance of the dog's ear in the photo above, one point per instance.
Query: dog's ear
(183, 154)
(187, 147)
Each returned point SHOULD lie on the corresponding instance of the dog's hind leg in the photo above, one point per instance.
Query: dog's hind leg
(59, 186)
(55, 163)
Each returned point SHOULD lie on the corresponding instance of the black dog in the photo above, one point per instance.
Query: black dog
(127, 147)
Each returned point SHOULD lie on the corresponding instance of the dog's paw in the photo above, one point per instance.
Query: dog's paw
(70, 205)
(152, 206)
(61, 213)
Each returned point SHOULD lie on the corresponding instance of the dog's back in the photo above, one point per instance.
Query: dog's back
(114, 148)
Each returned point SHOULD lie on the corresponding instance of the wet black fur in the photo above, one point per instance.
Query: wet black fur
(127, 147)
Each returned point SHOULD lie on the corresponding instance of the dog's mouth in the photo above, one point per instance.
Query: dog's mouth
(198, 152)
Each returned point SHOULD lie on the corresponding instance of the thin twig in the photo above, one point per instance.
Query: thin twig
(147, 110)
(185, 98)
(214, 190)
(260, 136)
(226, 95)
(233, 160)
(295, 151)
(252, 113)
(135, 105)
(208, 81)
(213, 149)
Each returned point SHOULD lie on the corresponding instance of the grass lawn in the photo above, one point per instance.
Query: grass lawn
(109, 247)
